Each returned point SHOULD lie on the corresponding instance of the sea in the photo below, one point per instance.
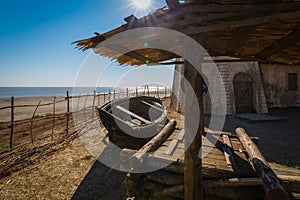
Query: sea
(6, 92)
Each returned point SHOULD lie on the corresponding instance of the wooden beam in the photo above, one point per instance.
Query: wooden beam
(238, 38)
(153, 143)
(193, 163)
(273, 188)
(242, 23)
(249, 8)
(282, 44)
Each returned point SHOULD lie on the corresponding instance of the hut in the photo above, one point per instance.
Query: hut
(264, 31)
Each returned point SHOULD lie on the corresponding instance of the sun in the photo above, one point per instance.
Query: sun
(141, 5)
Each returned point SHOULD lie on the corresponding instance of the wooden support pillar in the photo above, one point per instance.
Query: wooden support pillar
(193, 164)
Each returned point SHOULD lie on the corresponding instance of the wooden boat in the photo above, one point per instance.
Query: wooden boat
(140, 117)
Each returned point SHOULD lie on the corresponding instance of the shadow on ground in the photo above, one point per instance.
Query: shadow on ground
(279, 141)
(101, 182)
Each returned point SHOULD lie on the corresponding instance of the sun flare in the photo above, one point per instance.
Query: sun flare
(141, 4)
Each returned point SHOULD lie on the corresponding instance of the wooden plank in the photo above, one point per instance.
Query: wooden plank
(281, 45)
(180, 136)
(228, 152)
(274, 189)
(152, 106)
(130, 123)
(133, 114)
(241, 23)
(250, 8)
(171, 148)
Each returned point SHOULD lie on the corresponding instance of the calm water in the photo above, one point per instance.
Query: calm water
(50, 91)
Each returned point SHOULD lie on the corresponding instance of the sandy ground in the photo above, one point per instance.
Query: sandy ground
(70, 174)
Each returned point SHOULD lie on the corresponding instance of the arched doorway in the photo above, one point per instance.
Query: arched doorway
(243, 93)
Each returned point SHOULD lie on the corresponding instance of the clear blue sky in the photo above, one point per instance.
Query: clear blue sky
(35, 36)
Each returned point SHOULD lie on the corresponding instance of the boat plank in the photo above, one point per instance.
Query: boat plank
(133, 114)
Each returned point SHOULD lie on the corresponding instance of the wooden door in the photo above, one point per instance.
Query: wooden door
(243, 92)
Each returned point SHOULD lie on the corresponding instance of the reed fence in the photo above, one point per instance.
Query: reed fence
(54, 125)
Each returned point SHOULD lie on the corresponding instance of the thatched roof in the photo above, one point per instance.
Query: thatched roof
(267, 32)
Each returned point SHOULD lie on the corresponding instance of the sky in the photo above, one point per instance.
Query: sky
(36, 41)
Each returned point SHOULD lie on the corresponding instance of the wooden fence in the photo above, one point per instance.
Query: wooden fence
(60, 124)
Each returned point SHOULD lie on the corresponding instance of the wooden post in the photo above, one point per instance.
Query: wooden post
(11, 123)
(166, 92)
(84, 106)
(53, 121)
(157, 89)
(94, 98)
(31, 124)
(99, 98)
(68, 112)
(109, 95)
(114, 94)
(274, 190)
(136, 91)
(104, 98)
(127, 92)
(193, 163)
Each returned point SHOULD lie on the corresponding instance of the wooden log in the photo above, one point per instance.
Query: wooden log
(154, 142)
(233, 182)
(273, 188)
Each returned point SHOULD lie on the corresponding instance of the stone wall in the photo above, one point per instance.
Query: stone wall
(228, 70)
(275, 81)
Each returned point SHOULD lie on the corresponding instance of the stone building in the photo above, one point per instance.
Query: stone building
(250, 87)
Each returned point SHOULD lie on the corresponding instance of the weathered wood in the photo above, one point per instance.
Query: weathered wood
(94, 98)
(281, 45)
(192, 169)
(233, 182)
(154, 142)
(152, 106)
(165, 177)
(241, 23)
(207, 130)
(12, 116)
(133, 114)
(274, 189)
(171, 147)
(31, 121)
(53, 120)
(68, 112)
(239, 37)
(228, 152)
(175, 191)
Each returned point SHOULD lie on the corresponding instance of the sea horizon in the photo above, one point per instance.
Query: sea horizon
(41, 91)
